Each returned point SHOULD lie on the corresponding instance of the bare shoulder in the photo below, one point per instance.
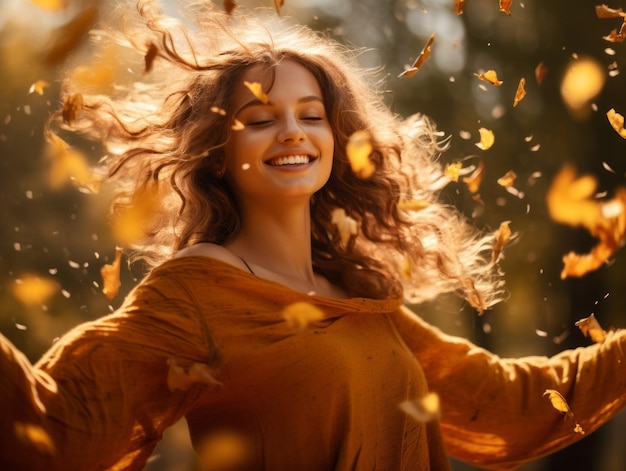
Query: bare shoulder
(207, 249)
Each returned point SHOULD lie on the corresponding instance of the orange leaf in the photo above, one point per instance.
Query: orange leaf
(508, 179)
(505, 6)
(590, 327)
(421, 59)
(617, 121)
(490, 76)
(604, 12)
(458, 6)
(33, 290)
(257, 90)
(301, 314)
(69, 164)
(110, 274)
(38, 87)
(424, 409)
(34, 436)
(487, 139)
(520, 93)
(617, 36)
(474, 181)
(129, 224)
(502, 237)
(413, 205)
(453, 171)
(560, 404)
(358, 150)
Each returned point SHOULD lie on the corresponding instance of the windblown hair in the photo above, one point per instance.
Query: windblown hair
(166, 134)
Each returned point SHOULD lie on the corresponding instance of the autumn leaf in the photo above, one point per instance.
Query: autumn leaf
(229, 6)
(423, 410)
(453, 170)
(491, 77)
(603, 12)
(560, 404)
(540, 73)
(458, 6)
(505, 6)
(346, 225)
(35, 436)
(110, 274)
(129, 224)
(520, 93)
(69, 165)
(421, 59)
(590, 327)
(487, 139)
(413, 205)
(474, 180)
(71, 107)
(502, 237)
(218, 110)
(151, 54)
(301, 314)
(257, 90)
(582, 81)
(33, 290)
(358, 150)
(617, 121)
(68, 37)
(53, 5)
(616, 36)
(508, 179)
(237, 125)
(38, 87)
(183, 378)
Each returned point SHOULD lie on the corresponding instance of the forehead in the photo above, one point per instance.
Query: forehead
(283, 81)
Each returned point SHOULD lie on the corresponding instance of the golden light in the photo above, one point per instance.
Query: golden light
(582, 82)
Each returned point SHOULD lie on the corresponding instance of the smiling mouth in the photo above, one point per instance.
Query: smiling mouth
(302, 159)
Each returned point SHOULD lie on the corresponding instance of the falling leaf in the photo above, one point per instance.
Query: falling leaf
(110, 274)
(508, 179)
(69, 165)
(347, 226)
(183, 378)
(33, 290)
(604, 12)
(301, 314)
(71, 107)
(590, 327)
(151, 54)
(229, 6)
(100, 75)
(617, 121)
(237, 125)
(413, 205)
(129, 224)
(458, 6)
(35, 436)
(424, 409)
(487, 139)
(358, 150)
(257, 90)
(218, 110)
(421, 59)
(616, 36)
(540, 73)
(502, 237)
(453, 170)
(50, 4)
(520, 93)
(279, 4)
(505, 6)
(491, 77)
(68, 37)
(583, 80)
(474, 180)
(560, 404)
(571, 201)
(38, 87)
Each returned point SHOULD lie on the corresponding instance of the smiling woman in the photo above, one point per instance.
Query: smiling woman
(272, 317)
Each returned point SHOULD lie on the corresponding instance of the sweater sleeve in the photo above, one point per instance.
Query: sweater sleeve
(102, 396)
(494, 411)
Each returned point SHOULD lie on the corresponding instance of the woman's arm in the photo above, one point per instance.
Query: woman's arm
(103, 395)
(494, 412)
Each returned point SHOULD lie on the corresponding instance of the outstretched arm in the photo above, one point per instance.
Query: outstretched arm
(494, 412)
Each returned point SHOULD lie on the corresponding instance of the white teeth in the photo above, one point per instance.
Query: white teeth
(290, 160)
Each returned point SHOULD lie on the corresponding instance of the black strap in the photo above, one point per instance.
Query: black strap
(246, 264)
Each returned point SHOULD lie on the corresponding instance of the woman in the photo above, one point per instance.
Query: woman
(267, 317)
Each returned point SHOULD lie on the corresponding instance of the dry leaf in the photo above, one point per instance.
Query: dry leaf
(604, 12)
(423, 410)
(257, 90)
(71, 107)
(35, 436)
(453, 171)
(560, 404)
(490, 76)
(347, 226)
(151, 54)
(69, 164)
(616, 36)
(38, 87)
(487, 139)
(183, 378)
(421, 59)
(458, 6)
(520, 93)
(502, 237)
(474, 180)
(33, 290)
(413, 205)
(229, 6)
(508, 179)
(69, 36)
(617, 121)
(358, 150)
(301, 314)
(110, 274)
(540, 73)
(590, 327)
(505, 6)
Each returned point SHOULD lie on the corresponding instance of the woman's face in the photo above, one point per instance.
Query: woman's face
(285, 148)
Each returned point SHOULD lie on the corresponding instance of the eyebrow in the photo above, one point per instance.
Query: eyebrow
(257, 102)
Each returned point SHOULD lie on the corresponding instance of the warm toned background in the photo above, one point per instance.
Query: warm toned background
(62, 234)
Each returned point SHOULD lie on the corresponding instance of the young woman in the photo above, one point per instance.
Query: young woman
(273, 311)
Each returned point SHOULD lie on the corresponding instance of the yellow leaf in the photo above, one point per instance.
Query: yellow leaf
(299, 315)
(617, 122)
(110, 274)
(38, 87)
(50, 4)
(520, 93)
(358, 150)
(508, 179)
(346, 225)
(487, 139)
(130, 223)
(424, 409)
(502, 237)
(413, 205)
(560, 404)
(474, 180)
(590, 327)
(491, 77)
(452, 171)
(69, 164)
(257, 90)
(33, 290)
(183, 378)
(421, 59)
(582, 81)
(237, 125)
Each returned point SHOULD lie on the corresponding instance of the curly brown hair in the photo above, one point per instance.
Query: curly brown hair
(167, 133)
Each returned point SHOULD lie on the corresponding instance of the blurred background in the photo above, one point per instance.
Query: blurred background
(54, 241)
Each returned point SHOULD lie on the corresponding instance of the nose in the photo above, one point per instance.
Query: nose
(291, 130)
